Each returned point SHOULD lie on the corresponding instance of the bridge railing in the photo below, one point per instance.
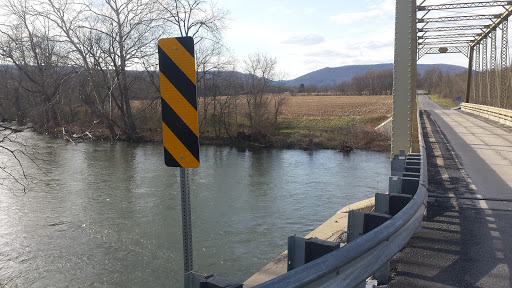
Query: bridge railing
(497, 114)
(352, 264)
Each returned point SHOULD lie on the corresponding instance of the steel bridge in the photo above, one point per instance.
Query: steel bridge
(452, 215)
(478, 30)
(465, 240)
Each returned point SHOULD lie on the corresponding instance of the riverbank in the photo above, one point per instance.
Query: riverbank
(342, 123)
(334, 229)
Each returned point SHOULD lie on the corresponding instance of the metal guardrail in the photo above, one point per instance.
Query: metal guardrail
(497, 114)
(353, 263)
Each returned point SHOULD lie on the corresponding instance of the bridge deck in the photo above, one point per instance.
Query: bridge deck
(466, 240)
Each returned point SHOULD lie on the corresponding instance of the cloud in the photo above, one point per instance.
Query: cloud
(280, 9)
(375, 44)
(308, 39)
(376, 9)
(327, 54)
(345, 18)
(383, 5)
(309, 11)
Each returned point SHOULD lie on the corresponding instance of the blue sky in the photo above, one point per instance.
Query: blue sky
(309, 35)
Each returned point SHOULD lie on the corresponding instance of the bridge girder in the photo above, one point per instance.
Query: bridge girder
(422, 51)
(445, 36)
(430, 43)
(454, 28)
(458, 18)
(463, 5)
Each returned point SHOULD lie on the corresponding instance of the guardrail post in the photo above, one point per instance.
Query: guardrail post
(413, 169)
(412, 163)
(355, 225)
(372, 221)
(391, 204)
(410, 185)
(360, 223)
(382, 274)
(296, 250)
(302, 251)
(213, 281)
(316, 248)
(398, 164)
(355, 229)
(395, 185)
(397, 202)
(411, 175)
(193, 279)
(382, 203)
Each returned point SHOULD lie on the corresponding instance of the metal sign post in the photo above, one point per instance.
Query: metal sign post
(186, 221)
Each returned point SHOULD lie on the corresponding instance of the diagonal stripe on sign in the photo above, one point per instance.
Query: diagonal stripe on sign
(180, 56)
(187, 43)
(179, 104)
(178, 151)
(177, 77)
(169, 160)
(174, 123)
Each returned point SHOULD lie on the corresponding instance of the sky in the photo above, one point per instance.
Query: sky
(305, 36)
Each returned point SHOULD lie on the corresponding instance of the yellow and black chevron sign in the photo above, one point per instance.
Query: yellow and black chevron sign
(179, 102)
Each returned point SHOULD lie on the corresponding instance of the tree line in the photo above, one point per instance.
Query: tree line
(373, 82)
(380, 82)
(68, 67)
(62, 59)
(76, 68)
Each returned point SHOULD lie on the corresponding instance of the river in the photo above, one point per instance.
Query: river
(100, 215)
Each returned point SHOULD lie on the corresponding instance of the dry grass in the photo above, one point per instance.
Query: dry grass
(334, 122)
(336, 106)
(307, 122)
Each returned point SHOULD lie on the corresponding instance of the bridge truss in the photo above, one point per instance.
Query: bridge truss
(478, 30)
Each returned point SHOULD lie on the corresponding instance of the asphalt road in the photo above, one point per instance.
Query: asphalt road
(466, 240)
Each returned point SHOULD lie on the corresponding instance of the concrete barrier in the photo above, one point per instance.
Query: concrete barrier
(333, 229)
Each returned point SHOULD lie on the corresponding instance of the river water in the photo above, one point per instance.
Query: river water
(100, 215)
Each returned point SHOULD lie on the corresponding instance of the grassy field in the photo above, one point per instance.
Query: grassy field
(336, 106)
(305, 122)
(334, 122)
(443, 102)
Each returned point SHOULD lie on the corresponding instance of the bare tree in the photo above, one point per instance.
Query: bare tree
(67, 53)
(432, 77)
(11, 107)
(107, 39)
(127, 28)
(261, 72)
(38, 57)
(13, 156)
(196, 18)
(93, 77)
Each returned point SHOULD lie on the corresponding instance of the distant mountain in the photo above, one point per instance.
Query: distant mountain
(336, 75)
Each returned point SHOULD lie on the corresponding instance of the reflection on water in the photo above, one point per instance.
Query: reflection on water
(109, 215)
